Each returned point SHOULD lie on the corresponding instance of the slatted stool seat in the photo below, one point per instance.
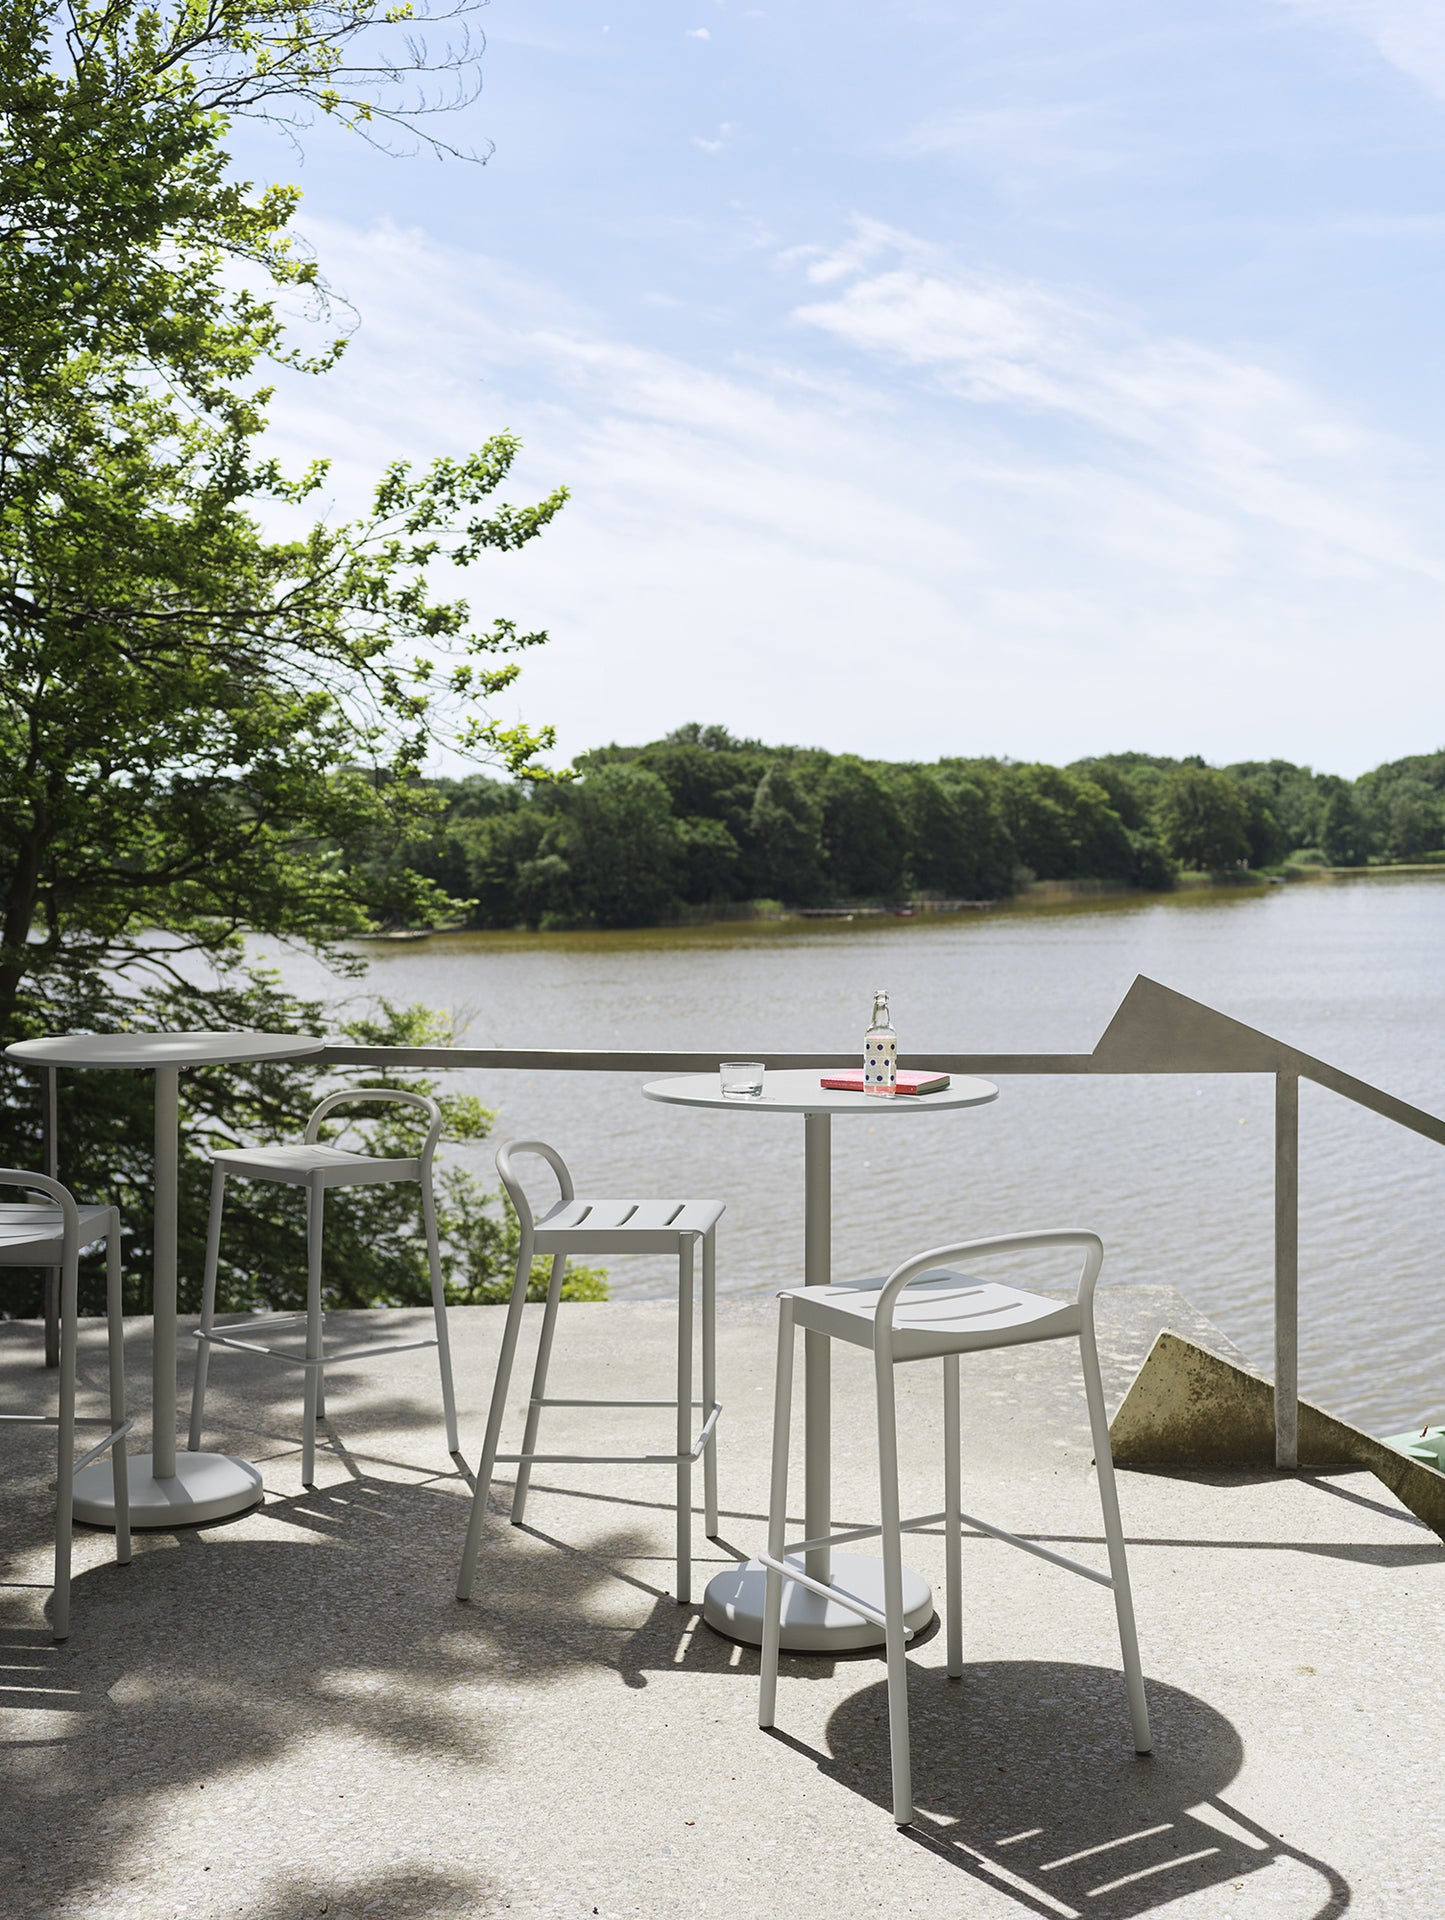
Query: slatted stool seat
(52, 1234)
(320, 1169)
(926, 1311)
(578, 1225)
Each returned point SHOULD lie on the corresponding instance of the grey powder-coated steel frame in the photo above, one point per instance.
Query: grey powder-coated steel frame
(166, 1489)
(817, 1621)
(1155, 1030)
(1010, 1318)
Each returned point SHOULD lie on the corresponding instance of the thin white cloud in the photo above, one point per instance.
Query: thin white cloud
(1240, 433)
(698, 33)
(1013, 137)
(1014, 522)
(1409, 34)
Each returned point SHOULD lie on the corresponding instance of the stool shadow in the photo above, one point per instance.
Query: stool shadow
(1025, 1780)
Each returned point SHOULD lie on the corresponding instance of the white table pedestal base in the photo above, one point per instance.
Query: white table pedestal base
(205, 1486)
(733, 1605)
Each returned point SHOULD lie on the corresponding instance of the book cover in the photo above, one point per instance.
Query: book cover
(914, 1080)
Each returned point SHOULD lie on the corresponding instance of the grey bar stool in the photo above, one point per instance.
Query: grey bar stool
(52, 1234)
(580, 1225)
(944, 1315)
(319, 1169)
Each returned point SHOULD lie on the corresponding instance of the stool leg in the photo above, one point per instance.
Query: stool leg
(315, 1205)
(115, 1355)
(952, 1503)
(439, 1310)
(1114, 1534)
(539, 1384)
(684, 1422)
(208, 1307)
(65, 1457)
(777, 1519)
(892, 1543)
(709, 1380)
(472, 1547)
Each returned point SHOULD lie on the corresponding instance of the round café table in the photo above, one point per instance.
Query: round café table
(166, 1489)
(734, 1600)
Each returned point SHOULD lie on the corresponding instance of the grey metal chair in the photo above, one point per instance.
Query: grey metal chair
(942, 1315)
(576, 1224)
(52, 1233)
(319, 1169)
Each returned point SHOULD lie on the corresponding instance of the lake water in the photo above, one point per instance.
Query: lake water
(1176, 1174)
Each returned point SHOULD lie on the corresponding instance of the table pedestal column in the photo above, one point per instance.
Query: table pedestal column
(733, 1603)
(166, 1490)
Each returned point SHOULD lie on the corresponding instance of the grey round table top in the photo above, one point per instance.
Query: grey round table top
(161, 1049)
(796, 1090)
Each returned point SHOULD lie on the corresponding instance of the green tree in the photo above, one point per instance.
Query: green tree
(196, 719)
(205, 729)
(1203, 818)
(1061, 826)
(709, 776)
(785, 831)
(615, 830)
(1415, 821)
(1293, 796)
(1402, 806)
(863, 835)
(711, 860)
(1344, 837)
(957, 846)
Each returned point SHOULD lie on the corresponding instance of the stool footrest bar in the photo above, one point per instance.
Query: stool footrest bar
(365, 1353)
(1042, 1553)
(699, 1446)
(53, 1420)
(861, 1533)
(547, 1402)
(103, 1446)
(300, 1359)
(594, 1459)
(826, 1592)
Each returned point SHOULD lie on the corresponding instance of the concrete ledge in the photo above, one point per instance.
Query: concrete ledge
(1188, 1407)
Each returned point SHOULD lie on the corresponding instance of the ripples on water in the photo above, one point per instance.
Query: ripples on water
(1175, 1173)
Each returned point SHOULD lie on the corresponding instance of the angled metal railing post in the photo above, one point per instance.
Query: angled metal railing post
(1286, 1267)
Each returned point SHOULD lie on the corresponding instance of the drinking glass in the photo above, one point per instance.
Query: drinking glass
(741, 1079)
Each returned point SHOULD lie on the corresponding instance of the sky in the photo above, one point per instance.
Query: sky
(1034, 378)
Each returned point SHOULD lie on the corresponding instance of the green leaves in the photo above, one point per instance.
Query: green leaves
(207, 727)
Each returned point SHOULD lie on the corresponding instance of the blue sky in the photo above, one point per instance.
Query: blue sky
(1038, 378)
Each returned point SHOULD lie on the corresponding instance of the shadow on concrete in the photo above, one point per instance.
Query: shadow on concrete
(1025, 1780)
(213, 1657)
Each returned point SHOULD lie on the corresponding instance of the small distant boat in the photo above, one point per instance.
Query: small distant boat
(903, 913)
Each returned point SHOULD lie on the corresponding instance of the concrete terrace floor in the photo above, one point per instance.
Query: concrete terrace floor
(289, 1715)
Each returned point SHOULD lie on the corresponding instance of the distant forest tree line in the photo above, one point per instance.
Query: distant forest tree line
(703, 820)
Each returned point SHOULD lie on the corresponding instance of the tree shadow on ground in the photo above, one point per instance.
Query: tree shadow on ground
(215, 1655)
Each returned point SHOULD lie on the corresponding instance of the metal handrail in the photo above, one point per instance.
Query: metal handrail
(1154, 1031)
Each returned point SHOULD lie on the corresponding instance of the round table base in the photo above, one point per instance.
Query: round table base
(733, 1605)
(205, 1486)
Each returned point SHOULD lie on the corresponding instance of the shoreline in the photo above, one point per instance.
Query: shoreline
(771, 920)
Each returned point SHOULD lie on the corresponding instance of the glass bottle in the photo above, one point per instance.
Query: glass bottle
(880, 1049)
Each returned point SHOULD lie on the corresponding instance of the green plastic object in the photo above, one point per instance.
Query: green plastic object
(1427, 1446)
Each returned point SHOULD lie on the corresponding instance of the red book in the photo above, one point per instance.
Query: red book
(850, 1080)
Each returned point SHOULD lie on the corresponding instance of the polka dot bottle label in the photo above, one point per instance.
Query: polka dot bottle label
(880, 1063)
